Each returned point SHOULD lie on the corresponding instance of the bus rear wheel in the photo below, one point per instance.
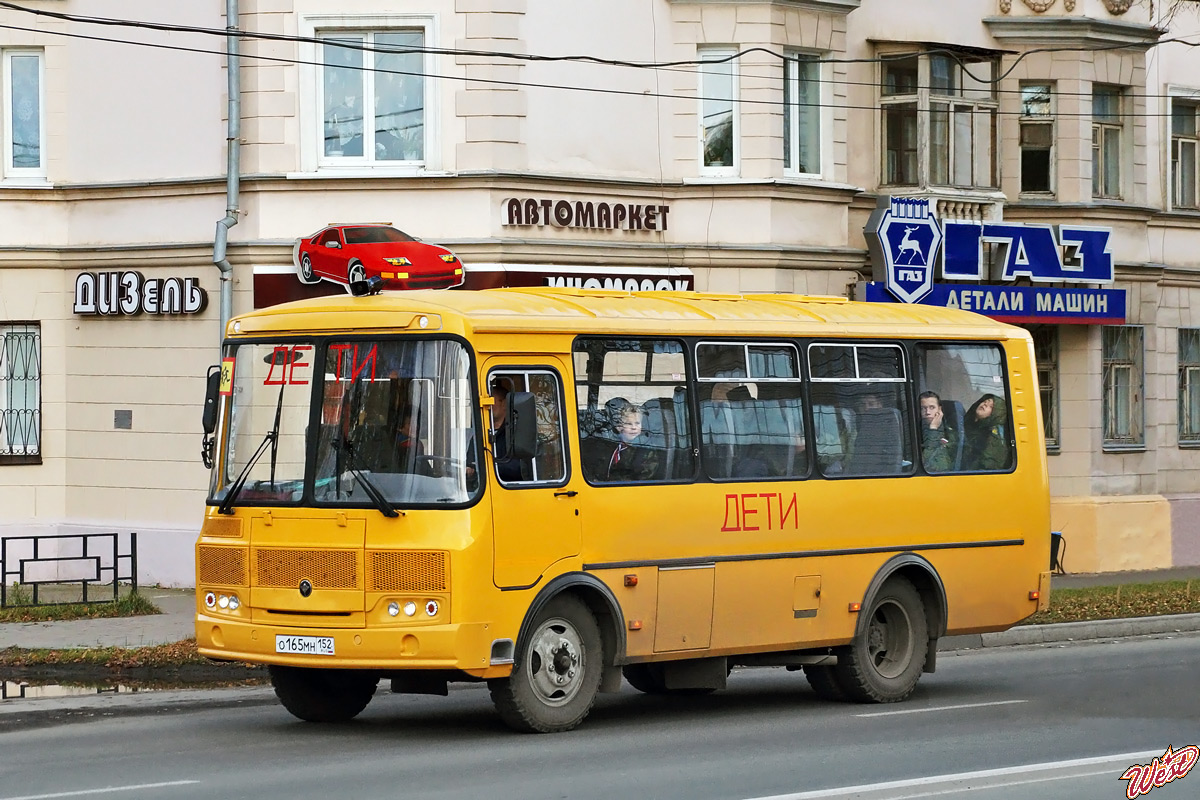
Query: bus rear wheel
(883, 664)
(557, 671)
(322, 695)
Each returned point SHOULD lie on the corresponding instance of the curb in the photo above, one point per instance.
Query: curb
(1074, 632)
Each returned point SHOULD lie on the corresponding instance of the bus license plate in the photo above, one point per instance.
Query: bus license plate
(305, 645)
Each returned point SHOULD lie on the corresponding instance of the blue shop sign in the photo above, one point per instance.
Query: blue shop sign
(1021, 304)
(905, 237)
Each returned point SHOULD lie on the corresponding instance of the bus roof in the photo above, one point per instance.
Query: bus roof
(569, 310)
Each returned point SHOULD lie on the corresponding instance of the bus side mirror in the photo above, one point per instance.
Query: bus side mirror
(211, 395)
(522, 425)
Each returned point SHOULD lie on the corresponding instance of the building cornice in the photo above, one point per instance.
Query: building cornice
(833, 6)
(1073, 31)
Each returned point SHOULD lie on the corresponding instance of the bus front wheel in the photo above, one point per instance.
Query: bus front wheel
(883, 663)
(322, 695)
(557, 671)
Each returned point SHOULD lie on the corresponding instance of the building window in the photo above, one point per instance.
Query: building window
(802, 115)
(373, 98)
(1123, 386)
(1189, 386)
(718, 113)
(20, 393)
(1184, 139)
(958, 145)
(1106, 141)
(1045, 349)
(24, 131)
(1037, 138)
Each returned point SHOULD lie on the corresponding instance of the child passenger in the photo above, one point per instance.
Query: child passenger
(629, 461)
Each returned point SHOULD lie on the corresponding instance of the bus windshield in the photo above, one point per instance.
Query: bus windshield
(394, 424)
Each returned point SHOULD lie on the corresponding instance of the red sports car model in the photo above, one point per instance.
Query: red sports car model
(346, 253)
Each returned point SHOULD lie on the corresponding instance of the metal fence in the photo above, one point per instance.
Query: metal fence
(43, 570)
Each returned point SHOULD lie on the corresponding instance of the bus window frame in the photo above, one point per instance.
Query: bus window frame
(508, 370)
(320, 344)
(689, 369)
(1006, 381)
(797, 347)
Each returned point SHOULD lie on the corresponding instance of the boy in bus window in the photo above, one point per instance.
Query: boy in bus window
(939, 441)
(629, 461)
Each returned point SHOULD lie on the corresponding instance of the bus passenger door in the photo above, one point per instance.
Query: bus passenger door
(535, 511)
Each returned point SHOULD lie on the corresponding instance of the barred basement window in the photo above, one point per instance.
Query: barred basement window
(20, 393)
(1045, 348)
(1189, 386)
(1123, 387)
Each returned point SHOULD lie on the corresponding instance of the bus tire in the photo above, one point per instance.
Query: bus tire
(883, 663)
(646, 678)
(557, 671)
(322, 695)
(824, 681)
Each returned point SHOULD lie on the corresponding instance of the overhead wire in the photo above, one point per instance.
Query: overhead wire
(671, 66)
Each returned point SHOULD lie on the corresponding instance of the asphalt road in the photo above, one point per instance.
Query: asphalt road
(1053, 721)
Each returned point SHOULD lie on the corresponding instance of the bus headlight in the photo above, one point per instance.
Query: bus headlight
(234, 602)
(223, 601)
(431, 608)
(393, 609)
(210, 600)
(410, 608)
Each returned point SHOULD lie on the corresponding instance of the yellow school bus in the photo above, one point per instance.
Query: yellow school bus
(551, 489)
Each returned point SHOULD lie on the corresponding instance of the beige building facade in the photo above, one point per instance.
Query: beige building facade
(534, 138)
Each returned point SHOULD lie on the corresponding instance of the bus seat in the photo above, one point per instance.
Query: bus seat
(835, 430)
(659, 432)
(952, 411)
(717, 438)
(878, 445)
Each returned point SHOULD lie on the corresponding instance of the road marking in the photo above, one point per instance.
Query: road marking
(912, 783)
(939, 708)
(105, 790)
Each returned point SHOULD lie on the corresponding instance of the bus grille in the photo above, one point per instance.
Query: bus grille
(223, 566)
(325, 569)
(407, 571)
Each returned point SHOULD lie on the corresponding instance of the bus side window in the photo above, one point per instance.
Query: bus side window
(969, 384)
(633, 411)
(548, 464)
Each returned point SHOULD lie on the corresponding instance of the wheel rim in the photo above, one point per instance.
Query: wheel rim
(357, 273)
(890, 639)
(306, 268)
(556, 662)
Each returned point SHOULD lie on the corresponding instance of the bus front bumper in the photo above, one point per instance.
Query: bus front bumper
(464, 647)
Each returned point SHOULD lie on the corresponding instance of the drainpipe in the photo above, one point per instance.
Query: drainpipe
(233, 167)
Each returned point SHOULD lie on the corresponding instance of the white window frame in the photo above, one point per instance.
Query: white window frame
(1047, 352)
(1189, 384)
(791, 156)
(10, 171)
(1129, 414)
(1099, 131)
(924, 98)
(312, 117)
(20, 453)
(708, 53)
(1050, 120)
(1171, 190)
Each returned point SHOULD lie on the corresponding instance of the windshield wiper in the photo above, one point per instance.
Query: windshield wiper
(235, 488)
(381, 502)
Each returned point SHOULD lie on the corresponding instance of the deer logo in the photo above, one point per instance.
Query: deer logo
(907, 245)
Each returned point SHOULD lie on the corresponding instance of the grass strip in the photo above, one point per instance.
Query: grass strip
(129, 605)
(1092, 603)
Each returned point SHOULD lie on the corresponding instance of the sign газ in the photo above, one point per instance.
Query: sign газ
(904, 237)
